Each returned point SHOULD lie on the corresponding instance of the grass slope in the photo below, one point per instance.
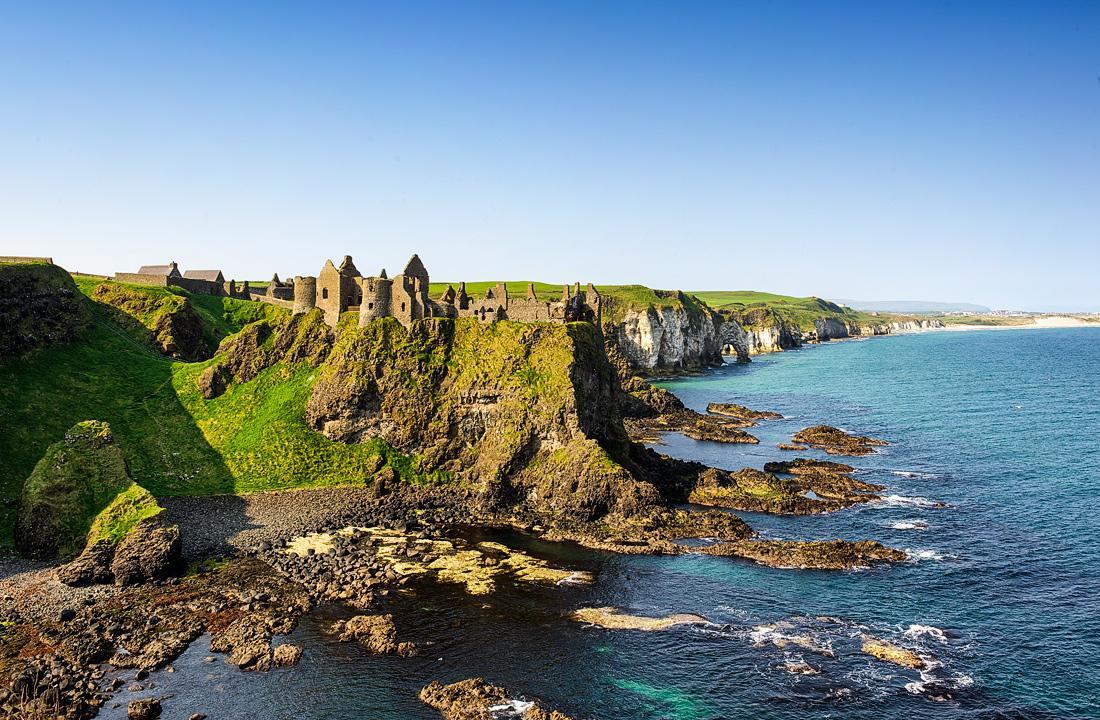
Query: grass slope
(176, 443)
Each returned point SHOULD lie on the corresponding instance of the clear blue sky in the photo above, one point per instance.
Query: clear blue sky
(880, 150)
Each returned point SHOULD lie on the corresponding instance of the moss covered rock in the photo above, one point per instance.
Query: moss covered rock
(159, 316)
(819, 555)
(39, 306)
(837, 442)
(79, 493)
(527, 411)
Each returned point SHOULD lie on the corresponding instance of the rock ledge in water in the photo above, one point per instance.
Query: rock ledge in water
(475, 699)
(837, 442)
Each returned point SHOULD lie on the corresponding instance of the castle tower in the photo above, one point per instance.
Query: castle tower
(409, 293)
(531, 291)
(305, 294)
(595, 306)
(463, 299)
(376, 293)
(338, 288)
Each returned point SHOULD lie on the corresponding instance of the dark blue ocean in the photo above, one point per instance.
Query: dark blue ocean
(1002, 589)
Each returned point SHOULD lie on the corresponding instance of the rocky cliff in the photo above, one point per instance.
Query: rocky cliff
(682, 335)
(767, 330)
(157, 316)
(524, 414)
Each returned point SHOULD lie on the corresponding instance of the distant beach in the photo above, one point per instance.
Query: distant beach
(1045, 321)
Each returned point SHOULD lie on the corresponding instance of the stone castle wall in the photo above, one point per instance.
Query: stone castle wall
(26, 260)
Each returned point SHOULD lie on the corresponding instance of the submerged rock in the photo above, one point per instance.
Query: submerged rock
(475, 699)
(376, 633)
(837, 442)
(891, 653)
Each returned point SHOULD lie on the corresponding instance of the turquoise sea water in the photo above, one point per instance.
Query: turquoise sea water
(1003, 588)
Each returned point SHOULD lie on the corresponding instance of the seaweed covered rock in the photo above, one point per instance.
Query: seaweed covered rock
(163, 318)
(475, 699)
(751, 490)
(79, 493)
(819, 555)
(837, 442)
(742, 412)
(39, 306)
(722, 432)
(807, 466)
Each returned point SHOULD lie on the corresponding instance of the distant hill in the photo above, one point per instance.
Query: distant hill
(911, 306)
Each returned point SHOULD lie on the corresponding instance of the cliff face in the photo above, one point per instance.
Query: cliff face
(676, 338)
(527, 413)
(767, 331)
(831, 329)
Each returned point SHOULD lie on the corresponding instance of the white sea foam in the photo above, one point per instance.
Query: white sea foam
(904, 501)
(914, 474)
(918, 555)
(511, 709)
(910, 525)
(917, 630)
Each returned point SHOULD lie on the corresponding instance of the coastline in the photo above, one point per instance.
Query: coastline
(1039, 323)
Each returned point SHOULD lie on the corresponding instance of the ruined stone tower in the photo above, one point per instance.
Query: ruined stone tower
(305, 293)
(377, 298)
(338, 289)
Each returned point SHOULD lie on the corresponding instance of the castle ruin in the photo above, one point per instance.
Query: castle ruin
(340, 289)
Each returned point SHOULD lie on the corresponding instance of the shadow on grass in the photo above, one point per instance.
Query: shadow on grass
(105, 375)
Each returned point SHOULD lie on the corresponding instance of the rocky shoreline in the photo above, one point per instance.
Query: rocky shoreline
(253, 573)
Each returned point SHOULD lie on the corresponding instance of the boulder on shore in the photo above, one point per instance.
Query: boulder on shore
(149, 553)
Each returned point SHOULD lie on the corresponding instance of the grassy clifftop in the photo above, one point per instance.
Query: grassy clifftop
(618, 299)
(757, 309)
